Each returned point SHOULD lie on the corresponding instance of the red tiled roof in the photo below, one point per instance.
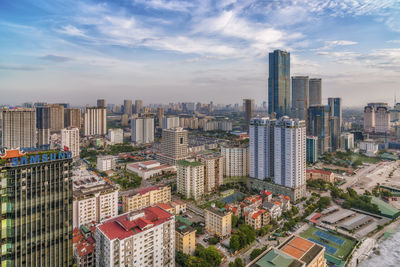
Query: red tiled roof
(258, 213)
(84, 248)
(12, 153)
(319, 171)
(145, 190)
(268, 193)
(287, 198)
(77, 238)
(164, 206)
(277, 203)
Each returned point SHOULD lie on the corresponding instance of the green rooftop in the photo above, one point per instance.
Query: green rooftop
(386, 209)
(183, 220)
(277, 258)
(189, 163)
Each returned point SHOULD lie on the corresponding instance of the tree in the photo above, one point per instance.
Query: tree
(237, 263)
(234, 243)
(210, 255)
(255, 253)
(235, 221)
(323, 202)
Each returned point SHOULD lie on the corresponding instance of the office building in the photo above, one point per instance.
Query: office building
(95, 121)
(261, 148)
(145, 197)
(336, 121)
(138, 106)
(213, 170)
(290, 152)
(170, 122)
(141, 238)
(218, 221)
(116, 136)
(128, 107)
(377, 118)
(347, 141)
(73, 118)
(101, 103)
(124, 120)
(36, 206)
(318, 124)
(18, 128)
(160, 117)
(315, 92)
(279, 83)
(185, 238)
(312, 149)
(106, 163)
(142, 130)
(70, 140)
(190, 179)
(300, 90)
(236, 160)
(43, 126)
(248, 109)
(94, 203)
(174, 146)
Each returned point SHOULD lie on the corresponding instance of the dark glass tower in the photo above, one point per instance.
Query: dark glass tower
(335, 114)
(279, 83)
(318, 124)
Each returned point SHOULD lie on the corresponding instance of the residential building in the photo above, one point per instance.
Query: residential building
(150, 168)
(327, 176)
(248, 109)
(261, 148)
(94, 203)
(213, 170)
(84, 247)
(160, 116)
(170, 122)
(257, 218)
(368, 147)
(300, 96)
(190, 178)
(124, 120)
(312, 149)
(43, 126)
(178, 206)
(128, 107)
(56, 117)
(377, 118)
(101, 103)
(72, 118)
(18, 128)
(318, 124)
(236, 160)
(39, 236)
(106, 163)
(279, 83)
(70, 140)
(347, 141)
(141, 238)
(290, 152)
(116, 136)
(142, 130)
(174, 146)
(185, 238)
(138, 106)
(217, 125)
(218, 221)
(146, 197)
(274, 209)
(315, 92)
(94, 121)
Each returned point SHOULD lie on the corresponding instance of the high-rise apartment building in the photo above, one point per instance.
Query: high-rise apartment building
(101, 103)
(95, 121)
(56, 117)
(138, 106)
(248, 109)
(261, 148)
(174, 146)
(94, 204)
(315, 92)
(141, 238)
(300, 97)
(347, 141)
(170, 122)
(145, 197)
(290, 152)
(318, 124)
(213, 170)
(128, 107)
(312, 149)
(43, 126)
(18, 128)
(106, 163)
(116, 136)
(218, 221)
(377, 118)
(279, 83)
(142, 130)
(160, 116)
(236, 160)
(190, 179)
(73, 118)
(36, 208)
(70, 140)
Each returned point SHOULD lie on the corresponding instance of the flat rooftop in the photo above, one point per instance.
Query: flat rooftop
(301, 249)
(338, 216)
(276, 258)
(356, 221)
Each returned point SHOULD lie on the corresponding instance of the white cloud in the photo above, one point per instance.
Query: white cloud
(72, 30)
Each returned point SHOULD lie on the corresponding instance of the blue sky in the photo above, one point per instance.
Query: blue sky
(169, 51)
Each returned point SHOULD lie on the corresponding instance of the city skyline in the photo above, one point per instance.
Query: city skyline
(163, 51)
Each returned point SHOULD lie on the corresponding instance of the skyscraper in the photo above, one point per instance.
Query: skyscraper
(300, 89)
(94, 121)
(170, 122)
(36, 208)
(18, 128)
(318, 124)
(142, 130)
(138, 106)
(261, 148)
(160, 116)
(174, 145)
(70, 140)
(248, 109)
(279, 83)
(377, 118)
(335, 114)
(56, 117)
(101, 103)
(315, 92)
(312, 149)
(72, 118)
(290, 152)
(43, 126)
(128, 107)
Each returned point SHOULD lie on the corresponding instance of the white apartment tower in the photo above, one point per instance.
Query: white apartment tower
(116, 136)
(70, 140)
(170, 122)
(190, 178)
(236, 160)
(290, 152)
(18, 128)
(377, 118)
(261, 148)
(95, 121)
(213, 171)
(142, 130)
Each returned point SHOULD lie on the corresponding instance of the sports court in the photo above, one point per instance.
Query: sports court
(329, 249)
(329, 237)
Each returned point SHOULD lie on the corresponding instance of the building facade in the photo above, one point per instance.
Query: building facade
(185, 238)
(236, 160)
(106, 163)
(142, 130)
(43, 126)
(218, 221)
(315, 92)
(72, 118)
(128, 107)
(213, 171)
(312, 149)
(170, 122)
(95, 121)
(18, 128)
(248, 109)
(116, 136)
(318, 124)
(174, 146)
(146, 197)
(336, 121)
(56, 117)
(300, 90)
(190, 179)
(70, 140)
(377, 118)
(347, 141)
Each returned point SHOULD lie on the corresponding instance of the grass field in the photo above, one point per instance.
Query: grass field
(342, 250)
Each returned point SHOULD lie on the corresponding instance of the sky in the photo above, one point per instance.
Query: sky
(165, 51)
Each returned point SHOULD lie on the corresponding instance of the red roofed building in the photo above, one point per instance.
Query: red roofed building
(321, 175)
(141, 238)
(255, 200)
(258, 218)
(84, 249)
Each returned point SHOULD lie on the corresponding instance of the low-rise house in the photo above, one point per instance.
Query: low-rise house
(327, 176)
(257, 218)
(274, 209)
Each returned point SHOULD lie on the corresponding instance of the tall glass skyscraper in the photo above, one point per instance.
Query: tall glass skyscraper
(335, 114)
(318, 125)
(279, 83)
(300, 97)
